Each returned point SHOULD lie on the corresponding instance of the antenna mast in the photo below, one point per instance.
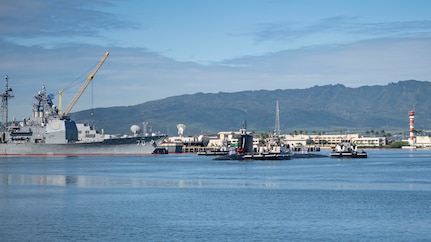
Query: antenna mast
(4, 104)
(277, 130)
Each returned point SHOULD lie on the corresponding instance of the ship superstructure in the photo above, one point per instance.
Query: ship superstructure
(48, 131)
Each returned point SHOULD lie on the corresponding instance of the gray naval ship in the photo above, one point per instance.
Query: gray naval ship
(48, 132)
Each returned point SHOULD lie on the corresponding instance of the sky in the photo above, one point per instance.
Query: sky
(163, 48)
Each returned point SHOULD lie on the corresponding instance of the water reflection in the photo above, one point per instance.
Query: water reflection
(55, 180)
(384, 170)
(107, 182)
(95, 181)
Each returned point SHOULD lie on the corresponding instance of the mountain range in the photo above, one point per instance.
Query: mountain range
(328, 108)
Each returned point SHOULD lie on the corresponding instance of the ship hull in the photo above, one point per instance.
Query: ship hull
(348, 155)
(131, 146)
(269, 156)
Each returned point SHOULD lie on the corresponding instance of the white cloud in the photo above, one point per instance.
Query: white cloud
(131, 76)
(57, 42)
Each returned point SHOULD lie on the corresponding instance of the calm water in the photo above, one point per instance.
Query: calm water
(193, 198)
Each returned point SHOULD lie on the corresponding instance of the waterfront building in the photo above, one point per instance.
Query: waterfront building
(371, 141)
(423, 141)
(331, 140)
(296, 141)
(229, 138)
(225, 139)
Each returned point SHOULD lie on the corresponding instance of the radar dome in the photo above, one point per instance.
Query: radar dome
(135, 129)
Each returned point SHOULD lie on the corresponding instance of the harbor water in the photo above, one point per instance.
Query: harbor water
(185, 197)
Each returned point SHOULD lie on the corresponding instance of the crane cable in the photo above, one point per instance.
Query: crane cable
(81, 79)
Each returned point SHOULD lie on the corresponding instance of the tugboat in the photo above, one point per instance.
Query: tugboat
(245, 146)
(273, 150)
(346, 149)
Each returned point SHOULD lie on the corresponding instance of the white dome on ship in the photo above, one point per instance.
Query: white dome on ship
(135, 129)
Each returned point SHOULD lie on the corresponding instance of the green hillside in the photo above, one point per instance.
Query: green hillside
(319, 108)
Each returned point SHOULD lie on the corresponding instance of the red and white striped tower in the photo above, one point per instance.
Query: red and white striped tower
(412, 127)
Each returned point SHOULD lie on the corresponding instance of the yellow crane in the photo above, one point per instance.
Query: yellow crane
(81, 90)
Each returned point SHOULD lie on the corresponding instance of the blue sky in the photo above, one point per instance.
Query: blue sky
(166, 48)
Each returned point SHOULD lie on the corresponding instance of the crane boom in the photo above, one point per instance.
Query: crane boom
(84, 86)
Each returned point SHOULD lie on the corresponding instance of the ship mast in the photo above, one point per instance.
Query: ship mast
(4, 104)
